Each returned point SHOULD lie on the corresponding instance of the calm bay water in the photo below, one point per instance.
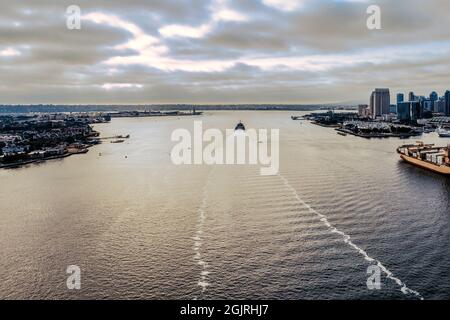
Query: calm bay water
(140, 227)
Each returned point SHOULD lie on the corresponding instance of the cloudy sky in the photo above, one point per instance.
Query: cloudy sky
(220, 51)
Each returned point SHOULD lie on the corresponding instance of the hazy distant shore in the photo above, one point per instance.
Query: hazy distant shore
(161, 107)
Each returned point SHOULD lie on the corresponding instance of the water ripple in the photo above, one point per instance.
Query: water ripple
(347, 239)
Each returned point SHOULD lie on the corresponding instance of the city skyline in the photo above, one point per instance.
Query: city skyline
(214, 52)
(414, 107)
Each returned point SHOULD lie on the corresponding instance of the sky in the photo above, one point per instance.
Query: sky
(220, 51)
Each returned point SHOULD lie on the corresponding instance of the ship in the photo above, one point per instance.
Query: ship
(444, 132)
(427, 156)
(240, 126)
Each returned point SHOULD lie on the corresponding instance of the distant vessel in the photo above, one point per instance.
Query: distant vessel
(427, 156)
(240, 126)
(342, 133)
(444, 132)
(428, 130)
(117, 141)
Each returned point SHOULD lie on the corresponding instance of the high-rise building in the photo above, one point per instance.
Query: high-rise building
(380, 102)
(412, 97)
(427, 105)
(404, 111)
(434, 97)
(400, 99)
(439, 106)
(409, 111)
(447, 103)
(416, 110)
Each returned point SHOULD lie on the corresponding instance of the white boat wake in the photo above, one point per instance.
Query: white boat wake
(347, 240)
(198, 242)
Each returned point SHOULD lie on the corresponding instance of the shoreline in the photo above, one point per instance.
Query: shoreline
(378, 135)
(325, 125)
(16, 165)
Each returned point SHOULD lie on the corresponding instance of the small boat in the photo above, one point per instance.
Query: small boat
(342, 133)
(117, 141)
(240, 126)
(444, 132)
(428, 130)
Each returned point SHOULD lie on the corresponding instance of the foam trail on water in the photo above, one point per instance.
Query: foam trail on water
(198, 241)
(347, 240)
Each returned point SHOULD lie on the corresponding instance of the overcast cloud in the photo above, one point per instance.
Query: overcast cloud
(220, 51)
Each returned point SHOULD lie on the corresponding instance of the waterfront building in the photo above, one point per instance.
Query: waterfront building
(404, 111)
(380, 102)
(364, 111)
(13, 150)
(416, 110)
(409, 111)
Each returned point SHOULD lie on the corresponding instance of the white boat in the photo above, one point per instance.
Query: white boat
(429, 130)
(444, 132)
